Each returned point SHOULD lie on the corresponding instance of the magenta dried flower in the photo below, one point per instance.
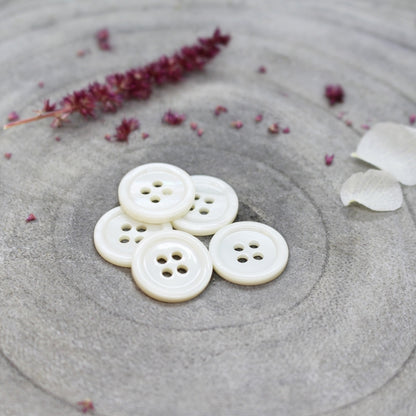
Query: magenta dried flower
(220, 109)
(193, 125)
(125, 128)
(412, 119)
(237, 124)
(258, 118)
(86, 406)
(136, 83)
(30, 218)
(334, 94)
(200, 132)
(274, 128)
(329, 159)
(13, 116)
(145, 135)
(102, 37)
(172, 118)
(261, 70)
(8, 156)
(286, 130)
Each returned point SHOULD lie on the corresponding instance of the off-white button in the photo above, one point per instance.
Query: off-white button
(116, 236)
(215, 205)
(156, 193)
(172, 266)
(248, 253)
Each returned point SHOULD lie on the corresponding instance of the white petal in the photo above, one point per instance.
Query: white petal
(375, 189)
(391, 147)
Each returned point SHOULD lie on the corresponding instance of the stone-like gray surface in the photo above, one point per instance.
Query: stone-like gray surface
(335, 334)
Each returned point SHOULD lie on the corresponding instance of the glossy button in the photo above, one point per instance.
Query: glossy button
(156, 193)
(172, 266)
(215, 205)
(116, 236)
(248, 253)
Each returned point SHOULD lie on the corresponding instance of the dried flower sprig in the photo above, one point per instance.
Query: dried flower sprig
(136, 83)
(172, 118)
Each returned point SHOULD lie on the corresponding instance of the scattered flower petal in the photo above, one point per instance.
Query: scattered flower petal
(108, 137)
(375, 189)
(8, 156)
(81, 53)
(341, 115)
(200, 132)
(13, 116)
(329, 159)
(348, 123)
(334, 94)
(193, 126)
(412, 119)
(365, 127)
(173, 118)
(261, 70)
(220, 109)
(57, 138)
(237, 124)
(286, 130)
(103, 37)
(41, 84)
(125, 128)
(145, 135)
(30, 218)
(258, 118)
(390, 147)
(86, 406)
(274, 128)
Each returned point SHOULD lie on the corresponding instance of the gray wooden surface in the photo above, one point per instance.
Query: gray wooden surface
(334, 335)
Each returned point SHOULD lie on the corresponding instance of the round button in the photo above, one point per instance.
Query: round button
(116, 236)
(248, 253)
(215, 205)
(156, 193)
(172, 266)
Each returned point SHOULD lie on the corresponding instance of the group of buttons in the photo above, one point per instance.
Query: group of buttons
(172, 265)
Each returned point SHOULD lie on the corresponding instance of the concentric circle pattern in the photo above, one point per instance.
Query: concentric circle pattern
(334, 334)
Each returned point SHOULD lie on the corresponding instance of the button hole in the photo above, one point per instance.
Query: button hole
(167, 273)
(155, 199)
(138, 239)
(161, 260)
(177, 255)
(145, 191)
(239, 247)
(204, 211)
(242, 259)
(141, 228)
(157, 184)
(124, 239)
(182, 269)
(254, 244)
(126, 227)
(258, 256)
(209, 200)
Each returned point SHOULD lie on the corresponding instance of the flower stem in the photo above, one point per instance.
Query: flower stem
(30, 119)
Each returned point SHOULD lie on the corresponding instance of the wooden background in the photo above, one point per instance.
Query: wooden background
(335, 334)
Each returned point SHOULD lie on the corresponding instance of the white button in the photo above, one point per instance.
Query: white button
(156, 193)
(248, 253)
(172, 266)
(116, 236)
(215, 205)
